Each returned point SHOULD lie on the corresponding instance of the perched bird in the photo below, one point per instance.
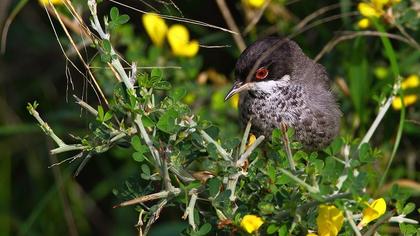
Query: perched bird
(279, 85)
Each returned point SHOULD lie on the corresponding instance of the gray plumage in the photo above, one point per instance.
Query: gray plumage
(296, 92)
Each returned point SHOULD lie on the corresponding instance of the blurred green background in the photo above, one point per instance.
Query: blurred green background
(38, 200)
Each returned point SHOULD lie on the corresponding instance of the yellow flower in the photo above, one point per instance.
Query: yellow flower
(190, 98)
(373, 211)
(251, 140)
(251, 223)
(254, 3)
(54, 2)
(155, 27)
(408, 100)
(329, 220)
(179, 39)
(369, 10)
(234, 101)
(412, 81)
(363, 23)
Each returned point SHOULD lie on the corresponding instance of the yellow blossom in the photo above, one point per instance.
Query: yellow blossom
(234, 101)
(155, 27)
(412, 81)
(408, 100)
(369, 10)
(373, 211)
(363, 23)
(251, 140)
(254, 3)
(251, 223)
(329, 220)
(54, 2)
(179, 39)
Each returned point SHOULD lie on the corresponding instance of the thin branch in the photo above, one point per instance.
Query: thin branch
(231, 24)
(257, 18)
(248, 152)
(353, 225)
(150, 197)
(189, 212)
(179, 19)
(219, 148)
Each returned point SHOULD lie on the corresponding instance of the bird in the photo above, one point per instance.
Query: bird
(279, 86)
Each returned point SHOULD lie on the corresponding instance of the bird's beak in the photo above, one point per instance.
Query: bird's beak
(237, 87)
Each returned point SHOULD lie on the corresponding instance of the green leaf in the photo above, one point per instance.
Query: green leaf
(204, 229)
(214, 185)
(145, 172)
(178, 94)
(408, 229)
(162, 85)
(106, 46)
(156, 73)
(147, 122)
(409, 208)
(283, 231)
(114, 13)
(100, 113)
(135, 142)
(271, 229)
(108, 116)
(166, 122)
(137, 156)
(123, 19)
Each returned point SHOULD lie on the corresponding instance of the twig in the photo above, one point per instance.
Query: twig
(147, 140)
(381, 220)
(155, 216)
(245, 138)
(353, 225)
(257, 18)
(382, 110)
(189, 212)
(299, 181)
(231, 24)
(44, 126)
(150, 197)
(231, 184)
(63, 26)
(402, 219)
(219, 148)
(248, 152)
(286, 143)
(179, 19)
(68, 148)
(86, 106)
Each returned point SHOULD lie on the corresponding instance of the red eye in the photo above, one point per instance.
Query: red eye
(261, 73)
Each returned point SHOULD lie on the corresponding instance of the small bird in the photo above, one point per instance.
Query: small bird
(279, 87)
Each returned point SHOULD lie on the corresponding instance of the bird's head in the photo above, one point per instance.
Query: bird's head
(265, 63)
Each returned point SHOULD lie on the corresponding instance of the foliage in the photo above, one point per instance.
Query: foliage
(184, 141)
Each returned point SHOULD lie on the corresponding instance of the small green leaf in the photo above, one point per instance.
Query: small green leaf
(214, 185)
(283, 231)
(204, 229)
(139, 157)
(271, 229)
(178, 94)
(106, 46)
(162, 85)
(123, 19)
(108, 116)
(147, 122)
(145, 171)
(114, 13)
(156, 73)
(100, 113)
(135, 142)
(166, 122)
(409, 208)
